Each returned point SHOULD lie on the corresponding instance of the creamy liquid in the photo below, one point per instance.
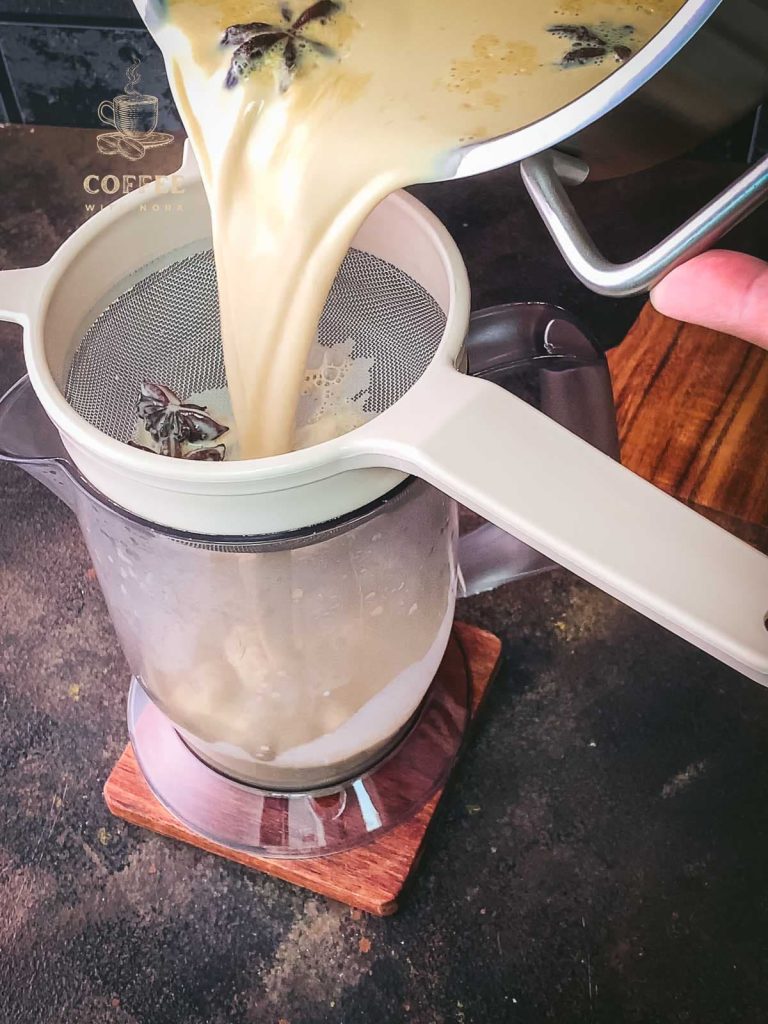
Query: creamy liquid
(295, 665)
(293, 162)
(295, 659)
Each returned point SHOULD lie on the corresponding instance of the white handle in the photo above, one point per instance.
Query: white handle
(530, 476)
(19, 292)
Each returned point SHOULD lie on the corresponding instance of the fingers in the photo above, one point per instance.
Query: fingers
(726, 291)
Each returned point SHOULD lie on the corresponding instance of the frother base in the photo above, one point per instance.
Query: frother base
(372, 862)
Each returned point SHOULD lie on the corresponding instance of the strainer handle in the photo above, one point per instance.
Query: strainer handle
(520, 470)
(514, 344)
(19, 291)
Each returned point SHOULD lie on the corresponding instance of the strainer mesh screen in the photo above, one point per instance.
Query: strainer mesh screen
(165, 329)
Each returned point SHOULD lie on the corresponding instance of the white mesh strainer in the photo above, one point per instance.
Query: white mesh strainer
(165, 328)
(131, 294)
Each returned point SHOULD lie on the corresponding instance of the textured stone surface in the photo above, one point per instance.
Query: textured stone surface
(60, 74)
(600, 857)
(107, 10)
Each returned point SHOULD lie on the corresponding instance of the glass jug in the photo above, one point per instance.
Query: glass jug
(294, 662)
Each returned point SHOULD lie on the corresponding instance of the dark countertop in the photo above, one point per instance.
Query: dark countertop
(600, 855)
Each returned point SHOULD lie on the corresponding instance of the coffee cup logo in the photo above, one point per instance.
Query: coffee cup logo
(133, 118)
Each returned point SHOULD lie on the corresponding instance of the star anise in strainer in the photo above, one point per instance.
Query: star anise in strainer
(256, 39)
(172, 422)
(216, 454)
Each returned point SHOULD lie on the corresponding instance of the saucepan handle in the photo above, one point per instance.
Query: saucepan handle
(545, 176)
(540, 353)
(528, 475)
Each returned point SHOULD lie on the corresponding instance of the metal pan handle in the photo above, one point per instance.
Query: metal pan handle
(545, 176)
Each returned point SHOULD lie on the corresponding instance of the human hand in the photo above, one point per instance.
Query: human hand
(727, 291)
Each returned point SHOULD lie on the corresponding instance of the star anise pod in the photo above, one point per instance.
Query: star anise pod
(216, 454)
(588, 45)
(256, 39)
(171, 422)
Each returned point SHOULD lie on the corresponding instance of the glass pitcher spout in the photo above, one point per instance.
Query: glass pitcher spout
(28, 439)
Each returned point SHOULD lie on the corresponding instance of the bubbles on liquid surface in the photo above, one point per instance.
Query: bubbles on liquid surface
(332, 401)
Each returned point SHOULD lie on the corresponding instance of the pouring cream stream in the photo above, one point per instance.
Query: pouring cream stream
(305, 116)
(296, 144)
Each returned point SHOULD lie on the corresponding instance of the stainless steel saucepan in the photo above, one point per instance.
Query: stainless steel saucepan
(705, 69)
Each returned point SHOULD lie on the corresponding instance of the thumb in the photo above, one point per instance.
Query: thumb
(727, 291)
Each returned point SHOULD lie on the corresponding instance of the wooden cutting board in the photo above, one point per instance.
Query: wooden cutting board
(692, 410)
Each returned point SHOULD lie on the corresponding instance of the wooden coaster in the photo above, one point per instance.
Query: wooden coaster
(369, 877)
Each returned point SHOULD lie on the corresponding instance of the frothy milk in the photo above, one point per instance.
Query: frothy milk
(304, 116)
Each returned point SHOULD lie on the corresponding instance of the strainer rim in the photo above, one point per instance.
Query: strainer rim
(146, 466)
